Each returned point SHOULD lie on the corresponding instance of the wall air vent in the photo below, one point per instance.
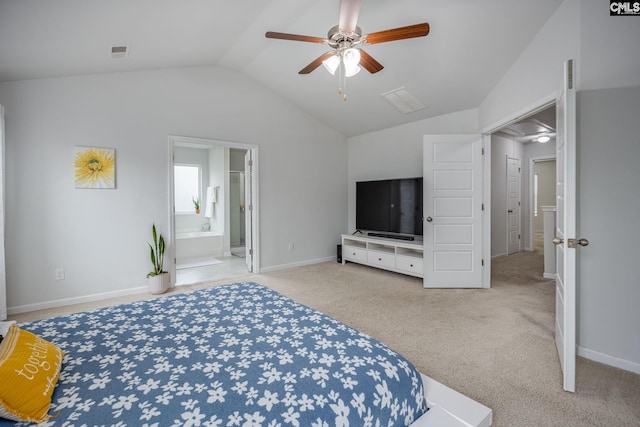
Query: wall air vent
(402, 100)
(119, 52)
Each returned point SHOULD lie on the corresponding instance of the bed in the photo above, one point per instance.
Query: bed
(235, 355)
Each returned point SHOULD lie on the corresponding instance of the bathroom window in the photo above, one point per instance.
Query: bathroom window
(186, 181)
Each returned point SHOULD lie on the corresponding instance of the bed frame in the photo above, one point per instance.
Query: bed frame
(448, 408)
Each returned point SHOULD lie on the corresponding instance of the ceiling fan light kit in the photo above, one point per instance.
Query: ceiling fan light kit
(345, 39)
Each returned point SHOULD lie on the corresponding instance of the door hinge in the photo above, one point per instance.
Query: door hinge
(483, 206)
(483, 151)
(250, 251)
(250, 208)
(483, 262)
(518, 237)
(570, 74)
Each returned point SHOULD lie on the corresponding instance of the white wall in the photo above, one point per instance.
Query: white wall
(397, 152)
(100, 236)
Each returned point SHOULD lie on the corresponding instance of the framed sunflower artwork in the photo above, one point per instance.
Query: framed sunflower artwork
(95, 167)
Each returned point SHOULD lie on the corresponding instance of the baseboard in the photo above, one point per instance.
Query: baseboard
(607, 359)
(296, 264)
(75, 300)
(549, 275)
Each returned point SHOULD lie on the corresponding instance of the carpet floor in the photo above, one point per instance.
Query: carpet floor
(494, 345)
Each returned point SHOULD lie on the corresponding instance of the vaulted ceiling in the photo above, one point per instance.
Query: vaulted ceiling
(471, 45)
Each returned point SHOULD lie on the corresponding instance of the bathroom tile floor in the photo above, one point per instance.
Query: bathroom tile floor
(229, 267)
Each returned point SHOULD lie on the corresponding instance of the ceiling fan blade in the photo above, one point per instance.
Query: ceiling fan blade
(408, 32)
(368, 63)
(348, 18)
(316, 63)
(294, 37)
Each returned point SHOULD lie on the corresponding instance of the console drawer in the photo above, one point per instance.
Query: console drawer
(354, 253)
(382, 259)
(409, 264)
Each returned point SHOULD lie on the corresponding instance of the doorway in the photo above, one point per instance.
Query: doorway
(206, 196)
(519, 142)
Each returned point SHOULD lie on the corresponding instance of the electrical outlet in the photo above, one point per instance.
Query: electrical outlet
(290, 246)
(59, 273)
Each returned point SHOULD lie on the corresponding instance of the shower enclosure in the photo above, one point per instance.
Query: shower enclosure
(237, 212)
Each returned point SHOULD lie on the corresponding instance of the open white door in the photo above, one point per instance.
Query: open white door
(566, 227)
(513, 205)
(3, 279)
(453, 209)
(248, 212)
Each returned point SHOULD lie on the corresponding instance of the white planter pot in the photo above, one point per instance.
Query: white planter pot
(158, 284)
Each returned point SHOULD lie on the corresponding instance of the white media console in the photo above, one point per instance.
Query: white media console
(401, 256)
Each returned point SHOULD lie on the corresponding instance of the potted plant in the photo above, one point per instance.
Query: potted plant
(196, 204)
(157, 280)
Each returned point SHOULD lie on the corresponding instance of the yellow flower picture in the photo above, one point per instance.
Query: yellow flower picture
(95, 167)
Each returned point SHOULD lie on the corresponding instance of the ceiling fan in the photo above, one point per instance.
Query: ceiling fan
(345, 40)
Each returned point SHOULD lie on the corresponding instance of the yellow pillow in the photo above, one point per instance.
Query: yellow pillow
(29, 371)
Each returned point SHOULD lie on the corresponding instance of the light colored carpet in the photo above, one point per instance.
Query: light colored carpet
(495, 345)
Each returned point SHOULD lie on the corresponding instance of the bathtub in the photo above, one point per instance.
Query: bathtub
(198, 244)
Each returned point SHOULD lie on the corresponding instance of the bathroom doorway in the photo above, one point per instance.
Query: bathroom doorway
(210, 192)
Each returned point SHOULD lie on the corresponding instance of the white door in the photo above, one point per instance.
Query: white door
(453, 206)
(248, 212)
(3, 279)
(513, 205)
(566, 227)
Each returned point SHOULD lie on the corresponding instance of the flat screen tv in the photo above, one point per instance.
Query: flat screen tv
(390, 206)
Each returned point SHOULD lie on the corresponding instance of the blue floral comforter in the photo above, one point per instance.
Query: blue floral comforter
(233, 355)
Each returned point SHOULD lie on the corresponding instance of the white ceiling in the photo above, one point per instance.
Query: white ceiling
(471, 45)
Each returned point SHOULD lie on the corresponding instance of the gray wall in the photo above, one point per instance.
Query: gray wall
(608, 211)
(100, 236)
(502, 147)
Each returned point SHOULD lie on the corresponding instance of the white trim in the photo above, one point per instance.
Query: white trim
(297, 264)
(607, 359)
(486, 237)
(533, 108)
(539, 105)
(199, 143)
(76, 300)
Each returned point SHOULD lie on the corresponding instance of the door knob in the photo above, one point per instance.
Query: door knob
(557, 241)
(429, 219)
(573, 242)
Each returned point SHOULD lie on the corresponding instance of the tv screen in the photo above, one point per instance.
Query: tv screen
(390, 206)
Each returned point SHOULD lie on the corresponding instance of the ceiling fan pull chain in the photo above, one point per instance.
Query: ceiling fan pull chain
(343, 77)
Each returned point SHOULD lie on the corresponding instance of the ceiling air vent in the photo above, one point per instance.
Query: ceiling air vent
(402, 100)
(119, 52)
